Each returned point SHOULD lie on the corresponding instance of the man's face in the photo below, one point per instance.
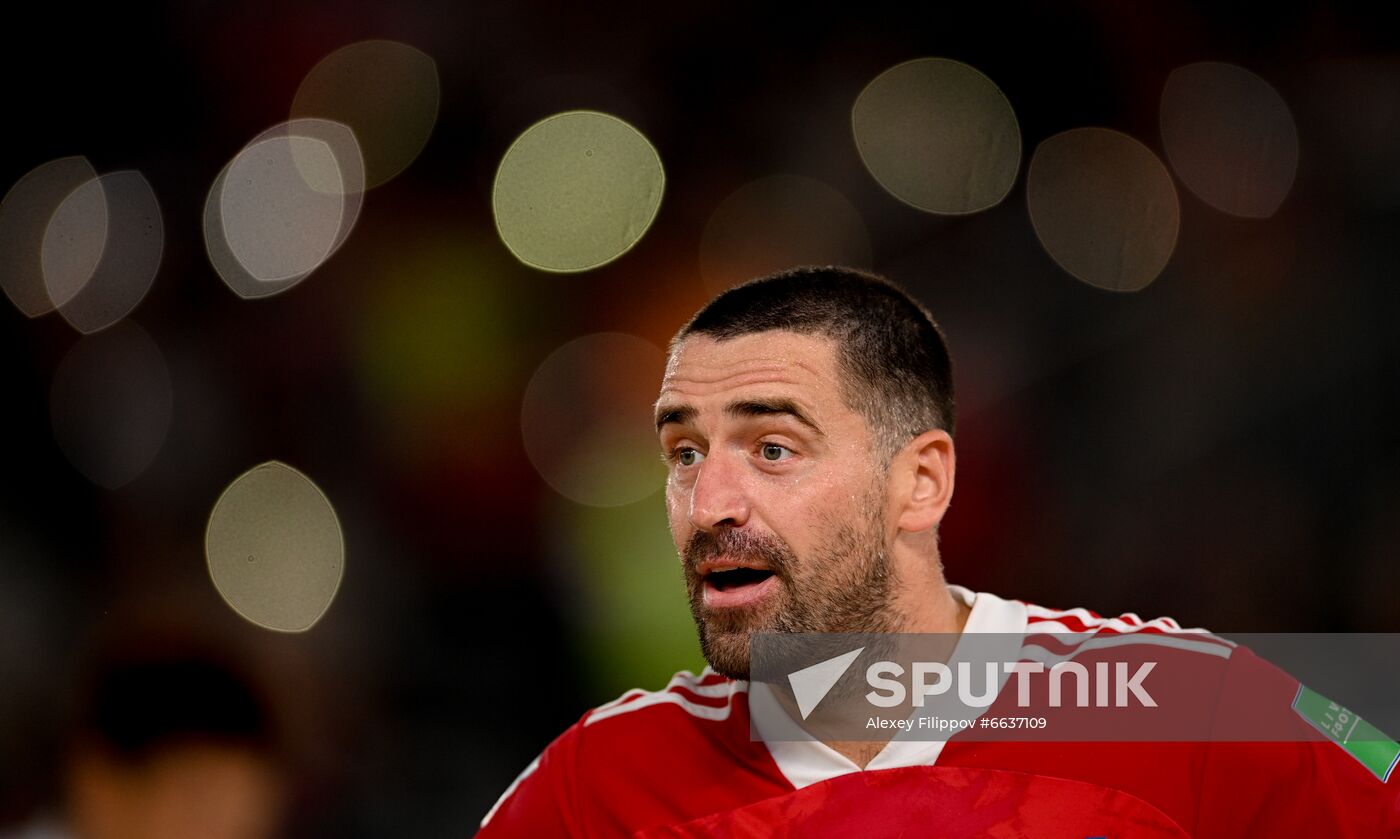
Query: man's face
(775, 499)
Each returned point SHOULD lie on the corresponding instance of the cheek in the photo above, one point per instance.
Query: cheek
(807, 519)
(677, 514)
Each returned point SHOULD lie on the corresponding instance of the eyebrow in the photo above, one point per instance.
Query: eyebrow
(683, 414)
(679, 415)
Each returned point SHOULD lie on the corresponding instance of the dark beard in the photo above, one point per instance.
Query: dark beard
(845, 587)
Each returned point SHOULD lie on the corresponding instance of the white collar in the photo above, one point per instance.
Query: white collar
(806, 762)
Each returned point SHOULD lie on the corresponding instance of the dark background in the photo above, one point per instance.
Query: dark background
(1218, 447)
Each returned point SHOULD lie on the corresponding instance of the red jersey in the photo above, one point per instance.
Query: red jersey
(681, 762)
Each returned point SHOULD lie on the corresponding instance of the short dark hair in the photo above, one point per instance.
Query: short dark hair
(897, 372)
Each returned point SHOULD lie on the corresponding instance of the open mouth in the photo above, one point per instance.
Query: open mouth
(737, 578)
(737, 586)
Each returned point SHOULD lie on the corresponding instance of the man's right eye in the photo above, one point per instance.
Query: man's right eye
(688, 456)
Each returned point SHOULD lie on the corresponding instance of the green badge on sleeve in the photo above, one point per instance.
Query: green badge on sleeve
(1363, 741)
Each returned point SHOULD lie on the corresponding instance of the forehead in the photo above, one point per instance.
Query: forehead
(778, 361)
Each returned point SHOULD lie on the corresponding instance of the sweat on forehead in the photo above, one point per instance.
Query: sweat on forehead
(776, 355)
(775, 374)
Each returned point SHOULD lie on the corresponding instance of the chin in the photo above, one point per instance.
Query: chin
(727, 653)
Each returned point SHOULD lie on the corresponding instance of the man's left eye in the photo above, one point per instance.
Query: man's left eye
(775, 452)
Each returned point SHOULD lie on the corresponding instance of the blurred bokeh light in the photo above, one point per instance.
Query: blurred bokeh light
(587, 419)
(222, 258)
(777, 222)
(117, 218)
(297, 192)
(938, 135)
(1230, 138)
(576, 191)
(74, 241)
(25, 213)
(111, 404)
(275, 549)
(277, 225)
(386, 92)
(1104, 207)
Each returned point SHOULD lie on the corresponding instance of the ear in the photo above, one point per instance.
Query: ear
(923, 481)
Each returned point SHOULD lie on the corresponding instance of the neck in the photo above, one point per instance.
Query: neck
(923, 602)
(937, 612)
(927, 607)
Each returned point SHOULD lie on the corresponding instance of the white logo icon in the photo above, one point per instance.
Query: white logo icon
(810, 685)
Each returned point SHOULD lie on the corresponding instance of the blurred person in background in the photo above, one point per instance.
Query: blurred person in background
(807, 420)
(168, 744)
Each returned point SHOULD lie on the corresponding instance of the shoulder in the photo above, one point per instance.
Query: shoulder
(1043, 619)
(695, 726)
(630, 762)
(1085, 630)
(1163, 681)
(642, 723)
(691, 712)
(687, 700)
(997, 615)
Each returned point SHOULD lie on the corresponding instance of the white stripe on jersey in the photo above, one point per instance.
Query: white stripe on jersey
(1035, 652)
(529, 770)
(684, 679)
(693, 685)
(631, 694)
(1046, 619)
(1124, 623)
(1052, 627)
(708, 712)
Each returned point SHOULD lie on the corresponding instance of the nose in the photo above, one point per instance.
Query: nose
(717, 498)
